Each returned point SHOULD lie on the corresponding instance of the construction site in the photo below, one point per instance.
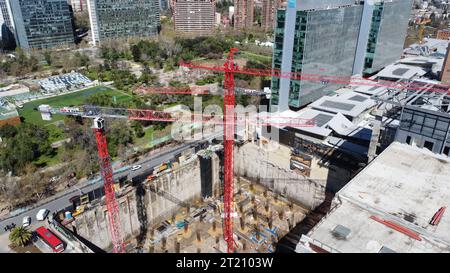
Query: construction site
(200, 200)
(253, 181)
(182, 210)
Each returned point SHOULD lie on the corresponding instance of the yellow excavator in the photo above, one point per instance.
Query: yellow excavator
(421, 33)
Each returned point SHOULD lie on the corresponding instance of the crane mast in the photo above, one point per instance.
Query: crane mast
(108, 179)
(229, 132)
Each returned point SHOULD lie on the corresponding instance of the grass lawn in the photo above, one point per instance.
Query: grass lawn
(49, 160)
(256, 57)
(147, 138)
(30, 113)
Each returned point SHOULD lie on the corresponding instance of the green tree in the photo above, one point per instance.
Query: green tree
(48, 57)
(30, 142)
(148, 77)
(100, 99)
(118, 133)
(8, 131)
(176, 83)
(82, 59)
(137, 128)
(81, 20)
(136, 52)
(20, 236)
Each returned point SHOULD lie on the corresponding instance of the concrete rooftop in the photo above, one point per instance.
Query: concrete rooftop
(350, 104)
(406, 185)
(401, 71)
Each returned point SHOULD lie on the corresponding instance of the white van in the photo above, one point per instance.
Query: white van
(26, 221)
(42, 214)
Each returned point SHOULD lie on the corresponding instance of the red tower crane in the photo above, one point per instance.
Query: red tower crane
(106, 171)
(98, 113)
(110, 196)
(229, 131)
(230, 68)
(170, 90)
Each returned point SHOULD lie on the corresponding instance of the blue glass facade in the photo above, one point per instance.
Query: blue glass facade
(324, 43)
(42, 23)
(125, 18)
(387, 34)
(337, 38)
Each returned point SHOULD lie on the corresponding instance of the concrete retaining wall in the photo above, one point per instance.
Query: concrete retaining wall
(141, 207)
(251, 164)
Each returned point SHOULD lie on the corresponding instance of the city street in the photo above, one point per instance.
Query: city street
(63, 201)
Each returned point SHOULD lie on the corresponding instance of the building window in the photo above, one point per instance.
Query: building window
(408, 140)
(447, 150)
(429, 145)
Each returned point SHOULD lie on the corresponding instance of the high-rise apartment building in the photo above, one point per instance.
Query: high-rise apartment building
(164, 4)
(336, 38)
(78, 5)
(42, 23)
(5, 15)
(194, 16)
(269, 10)
(7, 40)
(445, 73)
(125, 18)
(244, 11)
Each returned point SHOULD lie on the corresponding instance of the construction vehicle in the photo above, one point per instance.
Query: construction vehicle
(421, 31)
(78, 210)
(84, 199)
(151, 177)
(161, 168)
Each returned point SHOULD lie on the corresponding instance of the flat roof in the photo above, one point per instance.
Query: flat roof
(405, 185)
(321, 119)
(430, 47)
(350, 104)
(401, 71)
(7, 113)
(369, 90)
(421, 60)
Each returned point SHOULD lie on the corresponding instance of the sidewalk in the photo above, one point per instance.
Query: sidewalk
(4, 243)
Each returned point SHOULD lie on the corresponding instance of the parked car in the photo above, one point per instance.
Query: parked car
(26, 221)
(136, 167)
(42, 214)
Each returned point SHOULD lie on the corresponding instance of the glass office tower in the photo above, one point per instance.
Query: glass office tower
(7, 40)
(42, 23)
(319, 41)
(337, 38)
(5, 14)
(387, 34)
(124, 18)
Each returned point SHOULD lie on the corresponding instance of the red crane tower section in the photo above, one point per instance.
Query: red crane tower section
(229, 131)
(107, 175)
